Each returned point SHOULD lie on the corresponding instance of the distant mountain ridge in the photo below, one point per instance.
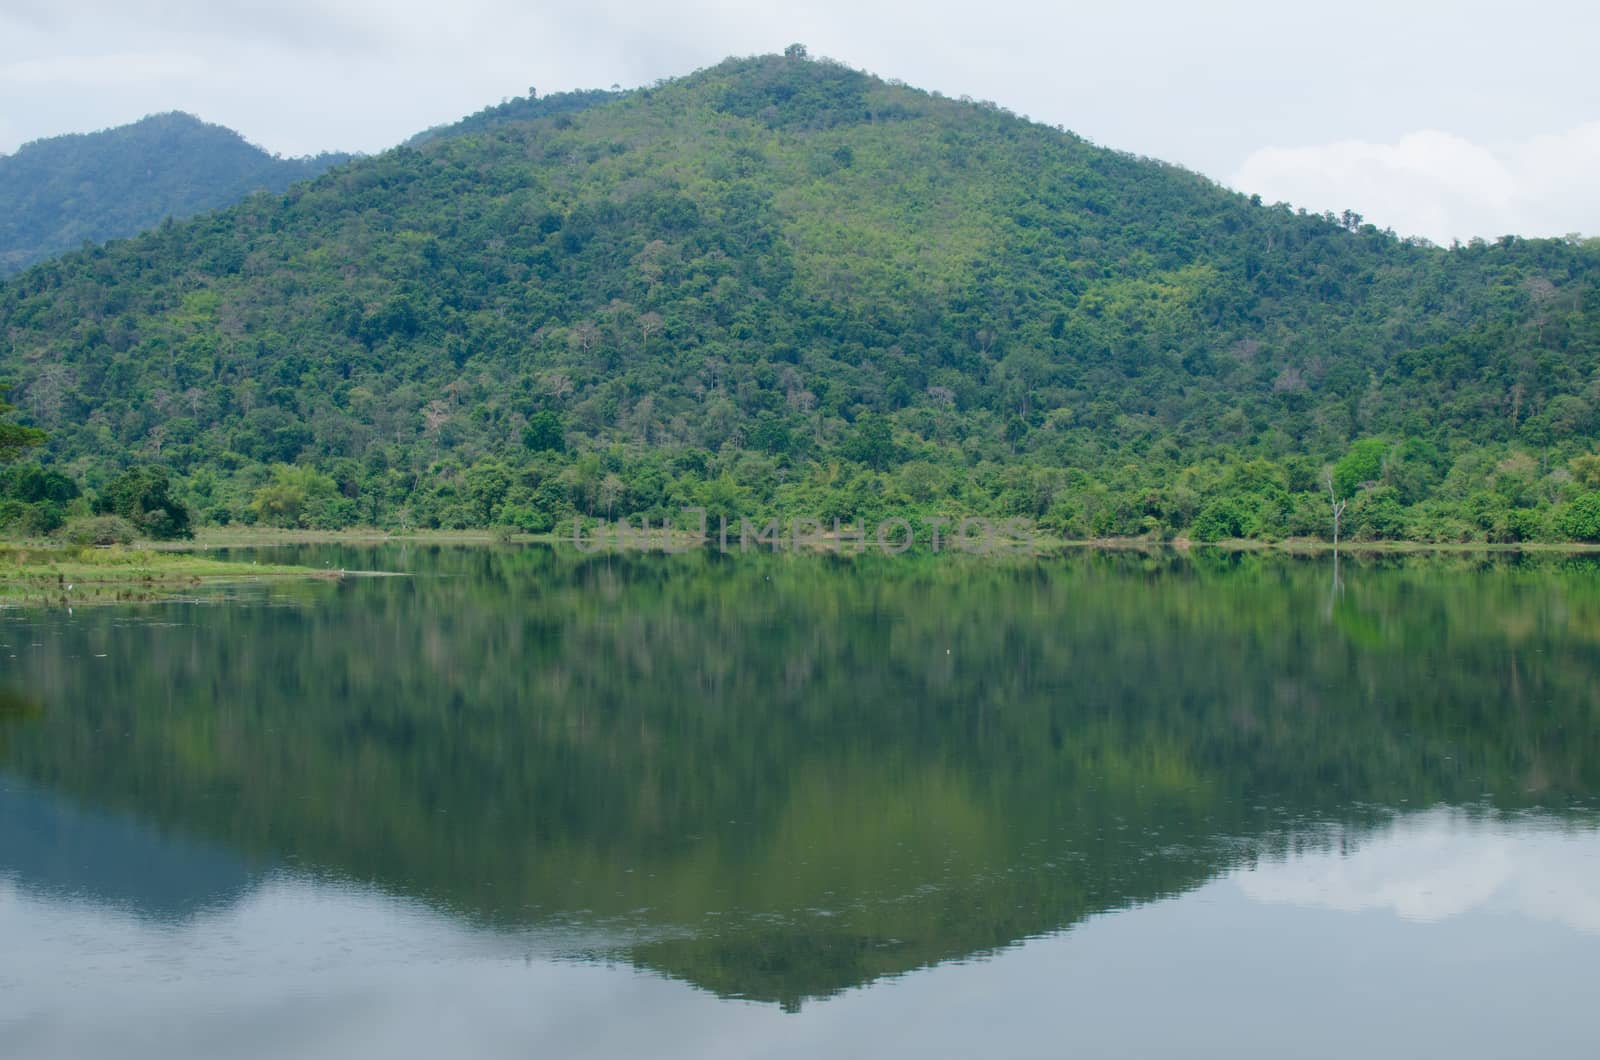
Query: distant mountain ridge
(521, 109)
(59, 193)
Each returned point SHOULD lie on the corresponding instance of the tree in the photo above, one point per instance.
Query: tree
(736, 293)
(1586, 471)
(486, 486)
(1336, 504)
(544, 433)
(1018, 375)
(279, 504)
(291, 495)
(1361, 466)
(649, 324)
(872, 443)
(142, 496)
(15, 439)
(1580, 521)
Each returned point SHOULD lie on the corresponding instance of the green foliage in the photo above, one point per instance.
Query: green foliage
(1361, 466)
(528, 518)
(33, 500)
(1580, 520)
(57, 194)
(545, 432)
(1414, 469)
(33, 484)
(97, 530)
(28, 520)
(295, 497)
(15, 439)
(142, 496)
(871, 443)
(561, 105)
(1586, 471)
(486, 485)
(1377, 515)
(782, 286)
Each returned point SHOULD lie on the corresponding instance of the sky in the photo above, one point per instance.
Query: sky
(1446, 119)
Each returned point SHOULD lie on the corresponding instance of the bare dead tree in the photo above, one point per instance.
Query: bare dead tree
(557, 384)
(48, 391)
(584, 335)
(1336, 504)
(649, 323)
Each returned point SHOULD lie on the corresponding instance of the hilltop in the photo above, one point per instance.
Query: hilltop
(783, 286)
(59, 193)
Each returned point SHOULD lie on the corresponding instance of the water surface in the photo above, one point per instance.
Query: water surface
(699, 805)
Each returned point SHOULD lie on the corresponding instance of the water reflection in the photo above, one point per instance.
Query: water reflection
(50, 847)
(309, 967)
(783, 779)
(1442, 865)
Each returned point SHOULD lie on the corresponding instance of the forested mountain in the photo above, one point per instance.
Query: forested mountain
(60, 193)
(780, 286)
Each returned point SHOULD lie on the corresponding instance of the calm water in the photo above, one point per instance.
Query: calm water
(519, 804)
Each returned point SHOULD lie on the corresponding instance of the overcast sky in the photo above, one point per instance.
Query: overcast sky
(1440, 118)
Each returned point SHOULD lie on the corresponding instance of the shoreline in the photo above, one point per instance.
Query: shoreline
(32, 574)
(254, 537)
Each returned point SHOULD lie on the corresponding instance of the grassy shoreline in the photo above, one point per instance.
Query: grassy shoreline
(44, 574)
(262, 537)
(1312, 546)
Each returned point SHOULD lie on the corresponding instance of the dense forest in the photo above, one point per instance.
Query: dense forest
(781, 287)
(60, 193)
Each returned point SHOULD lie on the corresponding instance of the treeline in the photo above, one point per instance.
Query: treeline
(1394, 492)
(35, 501)
(780, 285)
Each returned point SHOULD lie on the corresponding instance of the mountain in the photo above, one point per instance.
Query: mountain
(783, 287)
(60, 193)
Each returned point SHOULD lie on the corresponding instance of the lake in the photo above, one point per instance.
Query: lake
(525, 802)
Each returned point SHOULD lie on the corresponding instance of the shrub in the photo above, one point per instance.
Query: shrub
(1376, 514)
(142, 496)
(92, 530)
(29, 520)
(1219, 519)
(528, 520)
(299, 496)
(1580, 520)
(1362, 464)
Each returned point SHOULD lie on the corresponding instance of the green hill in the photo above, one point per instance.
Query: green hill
(780, 286)
(60, 193)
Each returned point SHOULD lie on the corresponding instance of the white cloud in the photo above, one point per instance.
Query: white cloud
(1200, 85)
(112, 69)
(311, 967)
(1440, 185)
(1441, 865)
